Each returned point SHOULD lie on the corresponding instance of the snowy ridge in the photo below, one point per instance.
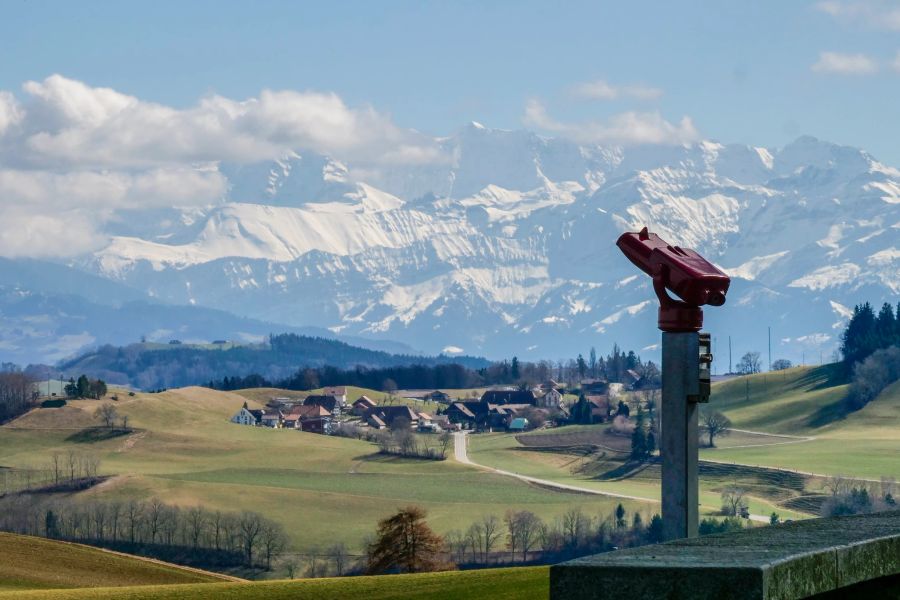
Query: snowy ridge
(508, 247)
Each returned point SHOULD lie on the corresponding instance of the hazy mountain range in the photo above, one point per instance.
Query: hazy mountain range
(506, 249)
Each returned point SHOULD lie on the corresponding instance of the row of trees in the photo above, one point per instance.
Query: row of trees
(152, 528)
(85, 387)
(405, 543)
(456, 376)
(17, 393)
(62, 471)
(867, 332)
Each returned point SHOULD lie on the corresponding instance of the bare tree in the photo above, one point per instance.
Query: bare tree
(523, 527)
(490, 528)
(474, 539)
(250, 527)
(106, 413)
(196, 522)
(445, 439)
(714, 424)
(734, 501)
(339, 556)
(273, 541)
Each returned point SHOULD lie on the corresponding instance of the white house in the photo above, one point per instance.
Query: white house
(340, 393)
(244, 416)
(550, 399)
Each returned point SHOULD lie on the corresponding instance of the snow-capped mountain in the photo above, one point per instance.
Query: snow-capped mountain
(508, 246)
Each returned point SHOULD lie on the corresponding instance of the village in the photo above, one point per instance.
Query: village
(500, 408)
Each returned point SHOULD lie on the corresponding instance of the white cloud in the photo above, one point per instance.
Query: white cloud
(44, 213)
(844, 64)
(602, 90)
(71, 123)
(72, 155)
(878, 14)
(626, 128)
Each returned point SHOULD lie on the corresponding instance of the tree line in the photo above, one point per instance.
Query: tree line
(17, 393)
(455, 376)
(870, 346)
(191, 536)
(152, 366)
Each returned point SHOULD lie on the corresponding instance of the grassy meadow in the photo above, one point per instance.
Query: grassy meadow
(793, 420)
(527, 583)
(323, 489)
(29, 563)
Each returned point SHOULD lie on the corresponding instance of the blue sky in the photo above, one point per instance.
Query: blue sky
(741, 72)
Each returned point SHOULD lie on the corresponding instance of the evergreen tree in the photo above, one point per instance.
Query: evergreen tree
(582, 366)
(514, 371)
(886, 327)
(655, 530)
(859, 339)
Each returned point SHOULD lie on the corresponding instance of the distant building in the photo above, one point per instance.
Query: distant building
(244, 416)
(376, 422)
(594, 386)
(328, 402)
(518, 424)
(437, 396)
(508, 397)
(551, 398)
(339, 392)
(363, 405)
(311, 418)
(271, 419)
(388, 414)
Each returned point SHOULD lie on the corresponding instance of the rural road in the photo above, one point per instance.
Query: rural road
(461, 454)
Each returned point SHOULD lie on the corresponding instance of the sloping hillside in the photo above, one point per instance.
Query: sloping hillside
(807, 402)
(529, 583)
(323, 489)
(155, 366)
(28, 563)
(792, 401)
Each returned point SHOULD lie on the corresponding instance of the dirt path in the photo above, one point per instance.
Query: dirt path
(461, 454)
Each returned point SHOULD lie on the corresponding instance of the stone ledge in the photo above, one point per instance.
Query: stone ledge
(785, 562)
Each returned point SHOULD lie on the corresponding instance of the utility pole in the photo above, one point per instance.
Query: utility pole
(770, 349)
(730, 368)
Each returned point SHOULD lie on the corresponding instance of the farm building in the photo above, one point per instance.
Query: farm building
(388, 414)
(508, 397)
(363, 405)
(328, 402)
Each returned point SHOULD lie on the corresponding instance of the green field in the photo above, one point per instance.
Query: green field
(806, 401)
(323, 489)
(802, 403)
(29, 563)
(528, 583)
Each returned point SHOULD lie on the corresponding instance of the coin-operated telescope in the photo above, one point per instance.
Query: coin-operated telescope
(686, 361)
(687, 274)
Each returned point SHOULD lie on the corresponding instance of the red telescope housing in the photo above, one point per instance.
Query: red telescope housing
(687, 274)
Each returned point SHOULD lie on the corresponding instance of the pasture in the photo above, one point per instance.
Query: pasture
(323, 489)
(28, 563)
(527, 583)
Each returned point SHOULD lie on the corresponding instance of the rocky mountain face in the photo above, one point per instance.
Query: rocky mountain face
(507, 248)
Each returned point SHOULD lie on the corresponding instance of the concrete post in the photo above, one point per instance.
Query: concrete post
(679, 421)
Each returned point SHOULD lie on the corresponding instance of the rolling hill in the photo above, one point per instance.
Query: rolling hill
(322, 489)
(527, 583)
(30, 563)
(158, 366)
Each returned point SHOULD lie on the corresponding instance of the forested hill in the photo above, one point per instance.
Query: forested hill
(153, 366)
